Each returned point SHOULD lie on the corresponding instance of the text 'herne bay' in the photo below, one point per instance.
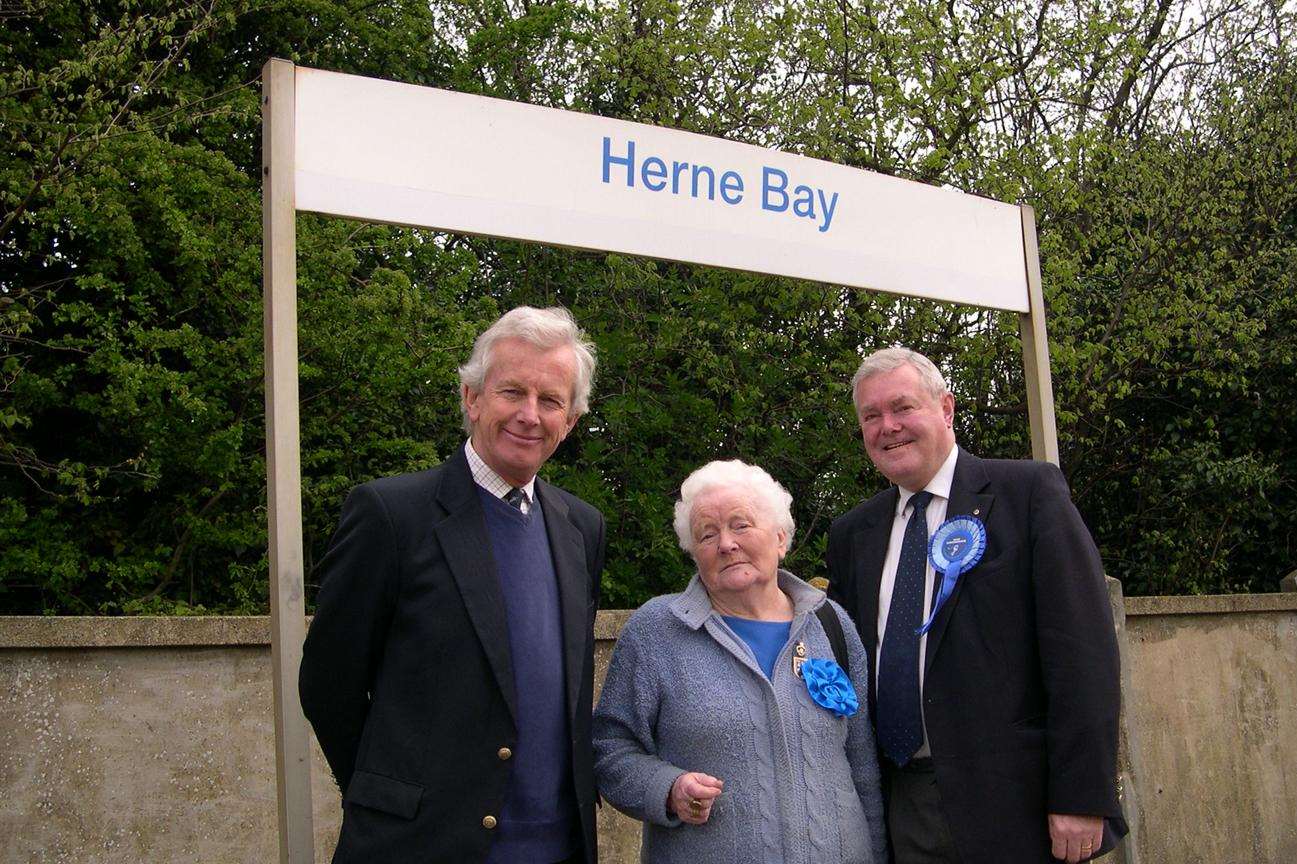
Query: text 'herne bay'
(779, 194)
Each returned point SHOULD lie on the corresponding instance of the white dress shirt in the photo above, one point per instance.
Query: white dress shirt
(939, 486)
(484, 475)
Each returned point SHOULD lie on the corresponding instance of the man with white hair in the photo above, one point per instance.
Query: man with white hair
(449, 670)
(980, 598)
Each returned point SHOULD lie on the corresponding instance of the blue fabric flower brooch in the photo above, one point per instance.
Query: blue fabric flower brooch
(830, 687)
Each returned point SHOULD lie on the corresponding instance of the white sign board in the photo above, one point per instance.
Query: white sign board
(389, 152)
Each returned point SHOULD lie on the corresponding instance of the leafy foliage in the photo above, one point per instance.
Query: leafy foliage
(1157, 141)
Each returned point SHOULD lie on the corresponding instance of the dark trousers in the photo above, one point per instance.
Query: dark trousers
(578, 854)
(916, 824)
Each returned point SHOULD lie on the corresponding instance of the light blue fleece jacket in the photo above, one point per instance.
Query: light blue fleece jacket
(684, 693)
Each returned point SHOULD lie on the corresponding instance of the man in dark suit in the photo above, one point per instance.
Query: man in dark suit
(998, 726)
(449, 670)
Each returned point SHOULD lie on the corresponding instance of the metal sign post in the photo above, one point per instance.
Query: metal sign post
(283, 462)
(1035, 351)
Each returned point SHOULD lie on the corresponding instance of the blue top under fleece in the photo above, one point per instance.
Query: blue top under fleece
(765, 638)
(538, 823)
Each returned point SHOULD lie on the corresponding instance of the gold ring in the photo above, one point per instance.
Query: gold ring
(695, 805)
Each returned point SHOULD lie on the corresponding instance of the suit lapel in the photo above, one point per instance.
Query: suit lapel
(869, 550)
(967, 498)
(568, 551)
(467, 549)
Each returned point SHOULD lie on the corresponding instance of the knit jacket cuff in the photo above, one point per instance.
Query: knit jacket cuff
(655, 795)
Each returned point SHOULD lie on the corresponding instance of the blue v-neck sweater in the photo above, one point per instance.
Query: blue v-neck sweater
(539, 820)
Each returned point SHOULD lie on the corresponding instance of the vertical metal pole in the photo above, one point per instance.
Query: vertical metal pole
(1130, 764)
(283, 461)
(1035, 350)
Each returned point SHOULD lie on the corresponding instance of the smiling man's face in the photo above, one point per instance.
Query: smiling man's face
(907, 430)
(525, 408)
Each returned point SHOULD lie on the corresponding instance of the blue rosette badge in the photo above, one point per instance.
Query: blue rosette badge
(955, 548)
(830, 687)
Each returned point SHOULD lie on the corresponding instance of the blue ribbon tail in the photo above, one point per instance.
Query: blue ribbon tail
(948, 580)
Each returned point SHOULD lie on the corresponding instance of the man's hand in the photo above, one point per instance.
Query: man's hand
(1075, 838)
(692, 796)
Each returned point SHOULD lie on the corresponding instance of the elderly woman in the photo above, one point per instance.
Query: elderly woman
(727, 724)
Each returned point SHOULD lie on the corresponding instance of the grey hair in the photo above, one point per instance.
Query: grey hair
(543, 328)
(768, 496)
(887, 359)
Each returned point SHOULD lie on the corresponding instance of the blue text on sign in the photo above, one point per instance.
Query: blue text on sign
(697, 181)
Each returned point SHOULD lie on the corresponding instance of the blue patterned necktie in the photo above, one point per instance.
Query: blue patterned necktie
(900, 724)
(517, 498)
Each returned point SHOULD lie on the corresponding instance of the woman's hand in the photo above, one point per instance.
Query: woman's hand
(692, 797)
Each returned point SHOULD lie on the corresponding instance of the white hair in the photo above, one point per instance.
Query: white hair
(544, 329)
(769, 497)
(887, 359)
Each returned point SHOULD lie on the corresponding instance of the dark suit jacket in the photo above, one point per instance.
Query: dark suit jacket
(1021, 687)
(406, 673)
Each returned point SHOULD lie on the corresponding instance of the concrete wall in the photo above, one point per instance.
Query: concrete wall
(1212, 703)
(128, 740)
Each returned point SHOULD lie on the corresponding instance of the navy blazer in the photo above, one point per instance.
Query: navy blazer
(406, 673)
(1021, 687)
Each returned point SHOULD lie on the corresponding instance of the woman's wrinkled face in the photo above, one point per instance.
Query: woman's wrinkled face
(735, 546)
